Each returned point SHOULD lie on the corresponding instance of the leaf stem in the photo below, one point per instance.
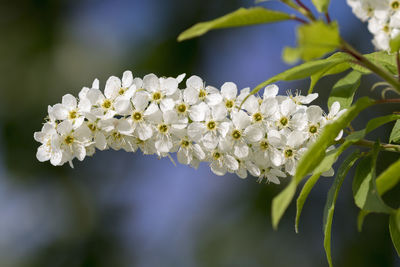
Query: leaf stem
(300, 7)
(370, 144)
(328, 18)
(398, 64)
(346, 47)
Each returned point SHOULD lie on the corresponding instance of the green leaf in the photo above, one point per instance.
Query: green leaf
(324, 166)
(395, 134)
(388, 178)
(316, 39)
(281, 202)
(330, 70)
(343, 91)
(321, 5)
(305, 191)
(314, 156)
(394, 228)
(365, 192)
(331, 201)
(395, 44)
(360, 219)
(382, 59)
(302, 71)
(240, 17)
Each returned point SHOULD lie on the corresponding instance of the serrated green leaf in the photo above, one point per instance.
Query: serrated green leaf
(394, 229)
(304, 70)
(313, 157)
(365, 192)
(388, 178)
(316, 39)
(343, 91)
(321, 5)
(331, 201)
(238, 18)
(395, 44)
(395, 134)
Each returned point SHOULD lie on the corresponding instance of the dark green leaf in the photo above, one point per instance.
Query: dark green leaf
(343, 91)
(281, 202)
(331, 200)
(240, 17)
(394, 228)
(395, 134)
(360, 219)
(365, 192)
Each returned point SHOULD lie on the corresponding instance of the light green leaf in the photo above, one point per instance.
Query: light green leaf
(330, 70)
(382, 59)
(395, 134)
(395, 44)
(240, 17)
(343, 91)
(394, 228)
(313, 157)
(316, 39)
(365, 192)
(388, 178)
(321, 5)
(360, 219)
(302, 71)
(331, 201)
(305, 191)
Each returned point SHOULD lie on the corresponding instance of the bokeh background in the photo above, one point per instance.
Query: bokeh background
(120, 209)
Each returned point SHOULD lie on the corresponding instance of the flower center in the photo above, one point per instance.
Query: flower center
(156, 96)
(121, 91)
(284, 121)
(236, 134)
(263, 145)
(181, 108)
(73, 114)
(69, 139)
(116, 135)
(395, 5)
(386, 29)
(185, 143)
(92, 127)
(229, 104)
(202, 94)
(216, 155)
(211, 125)
(106, 104)
(313, 129)
(137, 116)
(288, 153)
(163, 128)
(257, 117)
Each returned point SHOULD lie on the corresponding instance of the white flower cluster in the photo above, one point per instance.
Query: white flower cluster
(383, 18)
(265, 137)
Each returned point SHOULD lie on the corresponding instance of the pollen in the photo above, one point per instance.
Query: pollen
(73, 114)
(202, 94)
(163, 128)
(288, 153)
(181, 108)
(395, 5)
(121, 91)
(106, 104)
(92, 127)
(257, 117)
(185, 143)
(264, 145)
(229, 104)
(216, 155)
(156, 96)
(284, 121)
(211, 125)
(69, 139)
(137, 116)
(313, 129)
(236, 134)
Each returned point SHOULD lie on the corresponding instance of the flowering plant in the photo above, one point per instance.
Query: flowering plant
(269, 137)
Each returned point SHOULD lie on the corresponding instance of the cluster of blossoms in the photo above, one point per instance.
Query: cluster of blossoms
(383, 18)
(265, 137)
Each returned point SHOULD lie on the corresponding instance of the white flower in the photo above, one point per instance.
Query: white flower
(69, 110)
(119, 134)
(47, 151)
(222, 162)
(195, 92)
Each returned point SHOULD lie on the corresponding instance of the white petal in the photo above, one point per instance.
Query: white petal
(180, 78)
(100, 141)
(240, 119)
(213, 99)
(122, 106)
(251, 104)
(269, 106)
(183, 156)
(151, 82)
(64, 127)
(69, 101)
(42, 153)
(195, 82)
(163, 145)
(144, 131)
(241, 150)
(309, 98)
(191, 95)
(79, 151)
(198, 152)
(295, 139)
(229, 90)
(170, 85)
(287, 107)
(253, 133)
(127, 79)
(198, 112)
(140, 101)
(335, 107)
(271, 91)
(217, 168)
(195, 131)
(59, 112)
(124, 127)
(167, 104)
(231, 163)
(113, 85)
(314, 114)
